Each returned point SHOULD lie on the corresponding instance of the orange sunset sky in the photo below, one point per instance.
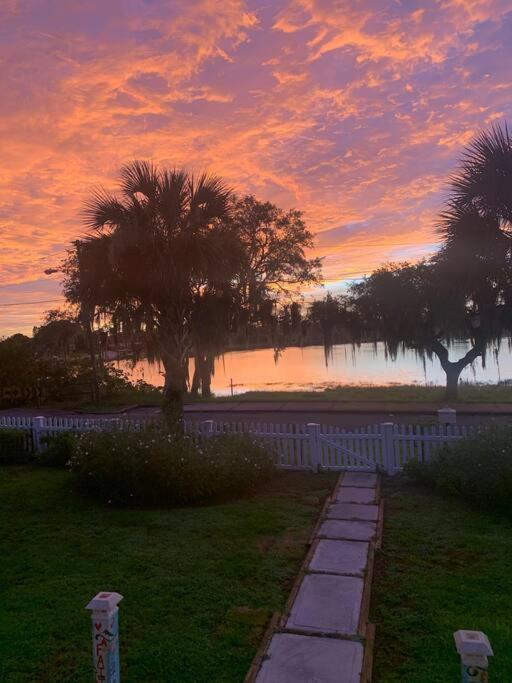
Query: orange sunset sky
(354, 112)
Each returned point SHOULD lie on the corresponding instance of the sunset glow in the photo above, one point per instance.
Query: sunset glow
(353, 112)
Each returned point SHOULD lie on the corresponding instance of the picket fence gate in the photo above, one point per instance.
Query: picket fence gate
(384, 447)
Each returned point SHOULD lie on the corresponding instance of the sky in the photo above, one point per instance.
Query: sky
(354, 112)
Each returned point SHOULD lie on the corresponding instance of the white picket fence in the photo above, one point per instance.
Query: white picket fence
(385, 447)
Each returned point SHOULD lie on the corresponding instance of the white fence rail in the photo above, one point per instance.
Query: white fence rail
(385, 447)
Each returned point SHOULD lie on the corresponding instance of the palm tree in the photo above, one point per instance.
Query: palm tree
(484, 179)
(166, 240)
(477, 229)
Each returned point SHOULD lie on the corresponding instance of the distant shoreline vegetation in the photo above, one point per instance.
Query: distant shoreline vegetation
(126, 355)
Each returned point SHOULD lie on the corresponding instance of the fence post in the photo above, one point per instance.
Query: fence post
(474, 648)
(38, 425)
(105, 637)
(314, 445)
(207, 428)
(388, 447)
(447, 416)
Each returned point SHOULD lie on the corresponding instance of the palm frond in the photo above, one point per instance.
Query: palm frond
(484, 178)
(209, 197)
(140, 177)
(173, 197)
(102, 209)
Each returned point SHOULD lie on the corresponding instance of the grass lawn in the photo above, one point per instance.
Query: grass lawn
(468, 393)
(443, 566)
(401, 393)
(200, 583)
(112, 403)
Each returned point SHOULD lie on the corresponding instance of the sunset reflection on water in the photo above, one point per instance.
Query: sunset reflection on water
(308, 369)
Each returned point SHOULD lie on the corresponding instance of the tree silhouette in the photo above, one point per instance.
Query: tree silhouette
(177, 261)
(464, 292)
(483, 180)
(419, 307)
(151, 252)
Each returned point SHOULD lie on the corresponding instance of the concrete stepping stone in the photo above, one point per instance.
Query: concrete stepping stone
(293, 658)
(327, 603)
(355, 494)
(348, 529)
(339, 557)
(366, 479)
(365, 513)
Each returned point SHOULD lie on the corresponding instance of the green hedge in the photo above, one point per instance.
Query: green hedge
(477, 469)
(152, 467)
(14, 446)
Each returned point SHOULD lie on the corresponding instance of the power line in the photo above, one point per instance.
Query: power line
(28, 303)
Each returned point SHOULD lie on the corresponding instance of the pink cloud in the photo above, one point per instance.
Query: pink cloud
(353, 112)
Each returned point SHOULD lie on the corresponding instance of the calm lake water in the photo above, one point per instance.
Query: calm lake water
(306, 368)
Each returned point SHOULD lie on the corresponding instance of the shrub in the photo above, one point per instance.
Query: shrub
(153, 467)
(478, 469)
(59, 449)
(116, 383)
(14, 446)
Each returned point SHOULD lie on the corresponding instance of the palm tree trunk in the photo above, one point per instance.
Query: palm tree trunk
(87, 324)
(196, 379)
(207, 365)
(175, 381)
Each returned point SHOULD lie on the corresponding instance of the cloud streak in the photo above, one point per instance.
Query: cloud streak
(353, 112)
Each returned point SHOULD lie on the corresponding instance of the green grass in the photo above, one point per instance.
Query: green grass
(400, 393)
(199, 584)
(113, 402)
(468, 393)
(443, 566)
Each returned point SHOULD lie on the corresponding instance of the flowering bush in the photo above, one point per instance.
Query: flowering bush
(477, 469)
(58, 449)
(153, 467)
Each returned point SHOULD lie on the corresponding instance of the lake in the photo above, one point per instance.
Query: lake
(306, 368)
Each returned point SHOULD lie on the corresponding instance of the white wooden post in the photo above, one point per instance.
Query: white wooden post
(388, 447)
(474, 648)
(447, 416)
(207, 428)
(38, 425)
(315, 445)
(105, 637)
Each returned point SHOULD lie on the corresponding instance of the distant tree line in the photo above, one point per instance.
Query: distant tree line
(45, 366)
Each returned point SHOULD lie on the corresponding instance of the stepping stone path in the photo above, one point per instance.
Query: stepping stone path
(340, 557)
(351, 494)
(355, 511)
(327, 603)
(306, 658)
(350, 530)
(325, 637)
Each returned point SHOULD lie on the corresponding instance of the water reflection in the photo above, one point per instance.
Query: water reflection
(306, 368)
